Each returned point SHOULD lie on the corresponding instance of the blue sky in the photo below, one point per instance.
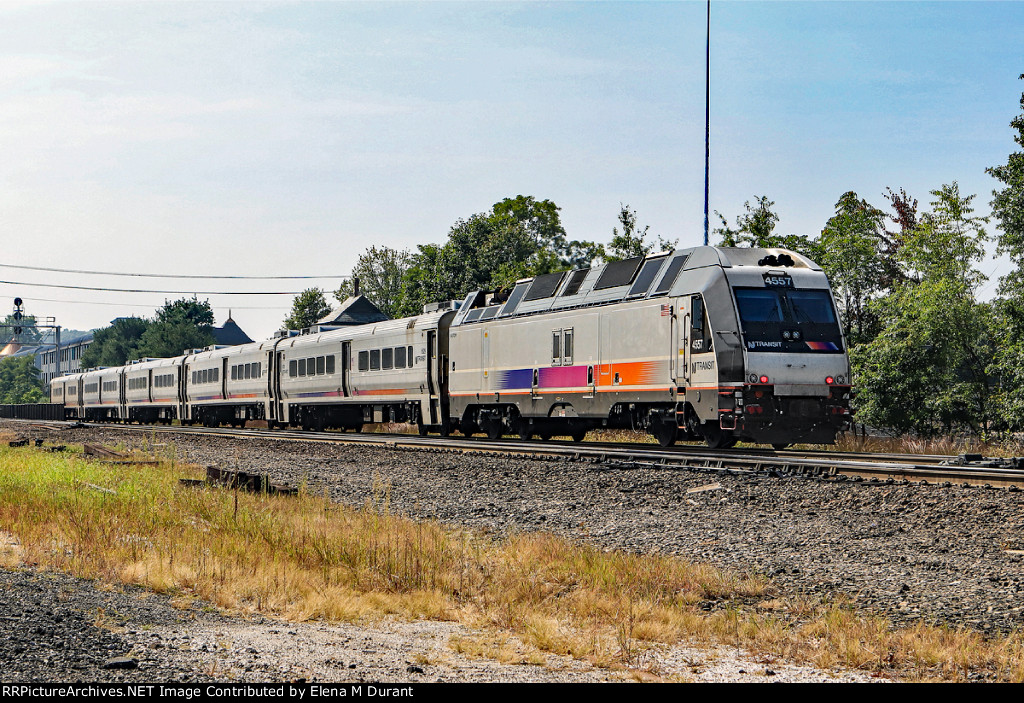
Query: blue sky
(259, 139)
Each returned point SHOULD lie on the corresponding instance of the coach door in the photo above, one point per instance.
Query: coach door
(346, 369)
(431, 376)
(275, 359)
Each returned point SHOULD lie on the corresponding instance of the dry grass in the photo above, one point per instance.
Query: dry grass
(307, 558)
(936, 445)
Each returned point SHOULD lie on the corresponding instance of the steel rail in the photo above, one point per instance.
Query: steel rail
(839, 465)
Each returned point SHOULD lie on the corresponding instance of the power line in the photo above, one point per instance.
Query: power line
(141, 305)
(170, 275)
(143, 290)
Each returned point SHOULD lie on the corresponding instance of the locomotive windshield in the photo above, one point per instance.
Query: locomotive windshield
(788, 320)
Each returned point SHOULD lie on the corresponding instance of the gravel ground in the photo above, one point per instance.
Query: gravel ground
(913, 553)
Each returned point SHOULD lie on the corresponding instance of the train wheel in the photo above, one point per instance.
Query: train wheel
(578, 435)
(780, 446)
(665, 433)
(494, 429)
(716, 437)
(525, 431)
(357, 428)
(422, 429)
(545, 436)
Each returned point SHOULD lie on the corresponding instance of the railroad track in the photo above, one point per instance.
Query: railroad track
(888, 468)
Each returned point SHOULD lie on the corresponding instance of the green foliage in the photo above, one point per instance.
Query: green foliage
(177, 326)
(754, 228)
(117, 344)
(926, 372)
(173, 338)
(849, 250)
(1008, 205)
(189, 310)
(381, 273)
(631, 242)
(1008, 211)
(308, 307)
(929, 369)
(19, 381)
(947, 241)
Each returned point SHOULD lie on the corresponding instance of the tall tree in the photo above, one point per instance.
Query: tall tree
(178, 326)
(631, 241)
(19, 381)
(117, 344)
(309, 306)
(754, 228)
(849, 253)
(928, 371)
(381, 272)
(1008, 211)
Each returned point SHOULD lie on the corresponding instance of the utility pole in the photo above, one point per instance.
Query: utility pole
(707, 121)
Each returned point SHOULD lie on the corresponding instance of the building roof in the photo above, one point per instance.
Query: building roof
(356, 310)
(230, 334)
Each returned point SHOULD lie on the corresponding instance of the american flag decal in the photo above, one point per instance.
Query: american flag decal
(666, 310)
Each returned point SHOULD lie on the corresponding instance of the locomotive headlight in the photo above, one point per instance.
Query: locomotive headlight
(796, 334)
(786, 334)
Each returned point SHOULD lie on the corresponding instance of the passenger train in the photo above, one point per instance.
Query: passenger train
(713, 344)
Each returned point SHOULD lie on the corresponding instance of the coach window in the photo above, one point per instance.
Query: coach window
(234, 373)
(321, 366)
(293, 368)
(375, 360)
(364, 361)
(388, 358)
(330, 363)
(556, 348)
(567, 339)
(399, 357)
(257, 369)
(302, 367)
(408, 355)
(248, 370)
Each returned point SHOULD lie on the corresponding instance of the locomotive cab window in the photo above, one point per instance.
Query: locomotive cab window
(567, 341)
(556, 348)
(700, 332)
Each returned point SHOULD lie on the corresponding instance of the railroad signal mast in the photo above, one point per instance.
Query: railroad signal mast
(18, 325)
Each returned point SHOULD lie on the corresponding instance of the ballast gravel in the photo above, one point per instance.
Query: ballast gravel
(912, 553)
